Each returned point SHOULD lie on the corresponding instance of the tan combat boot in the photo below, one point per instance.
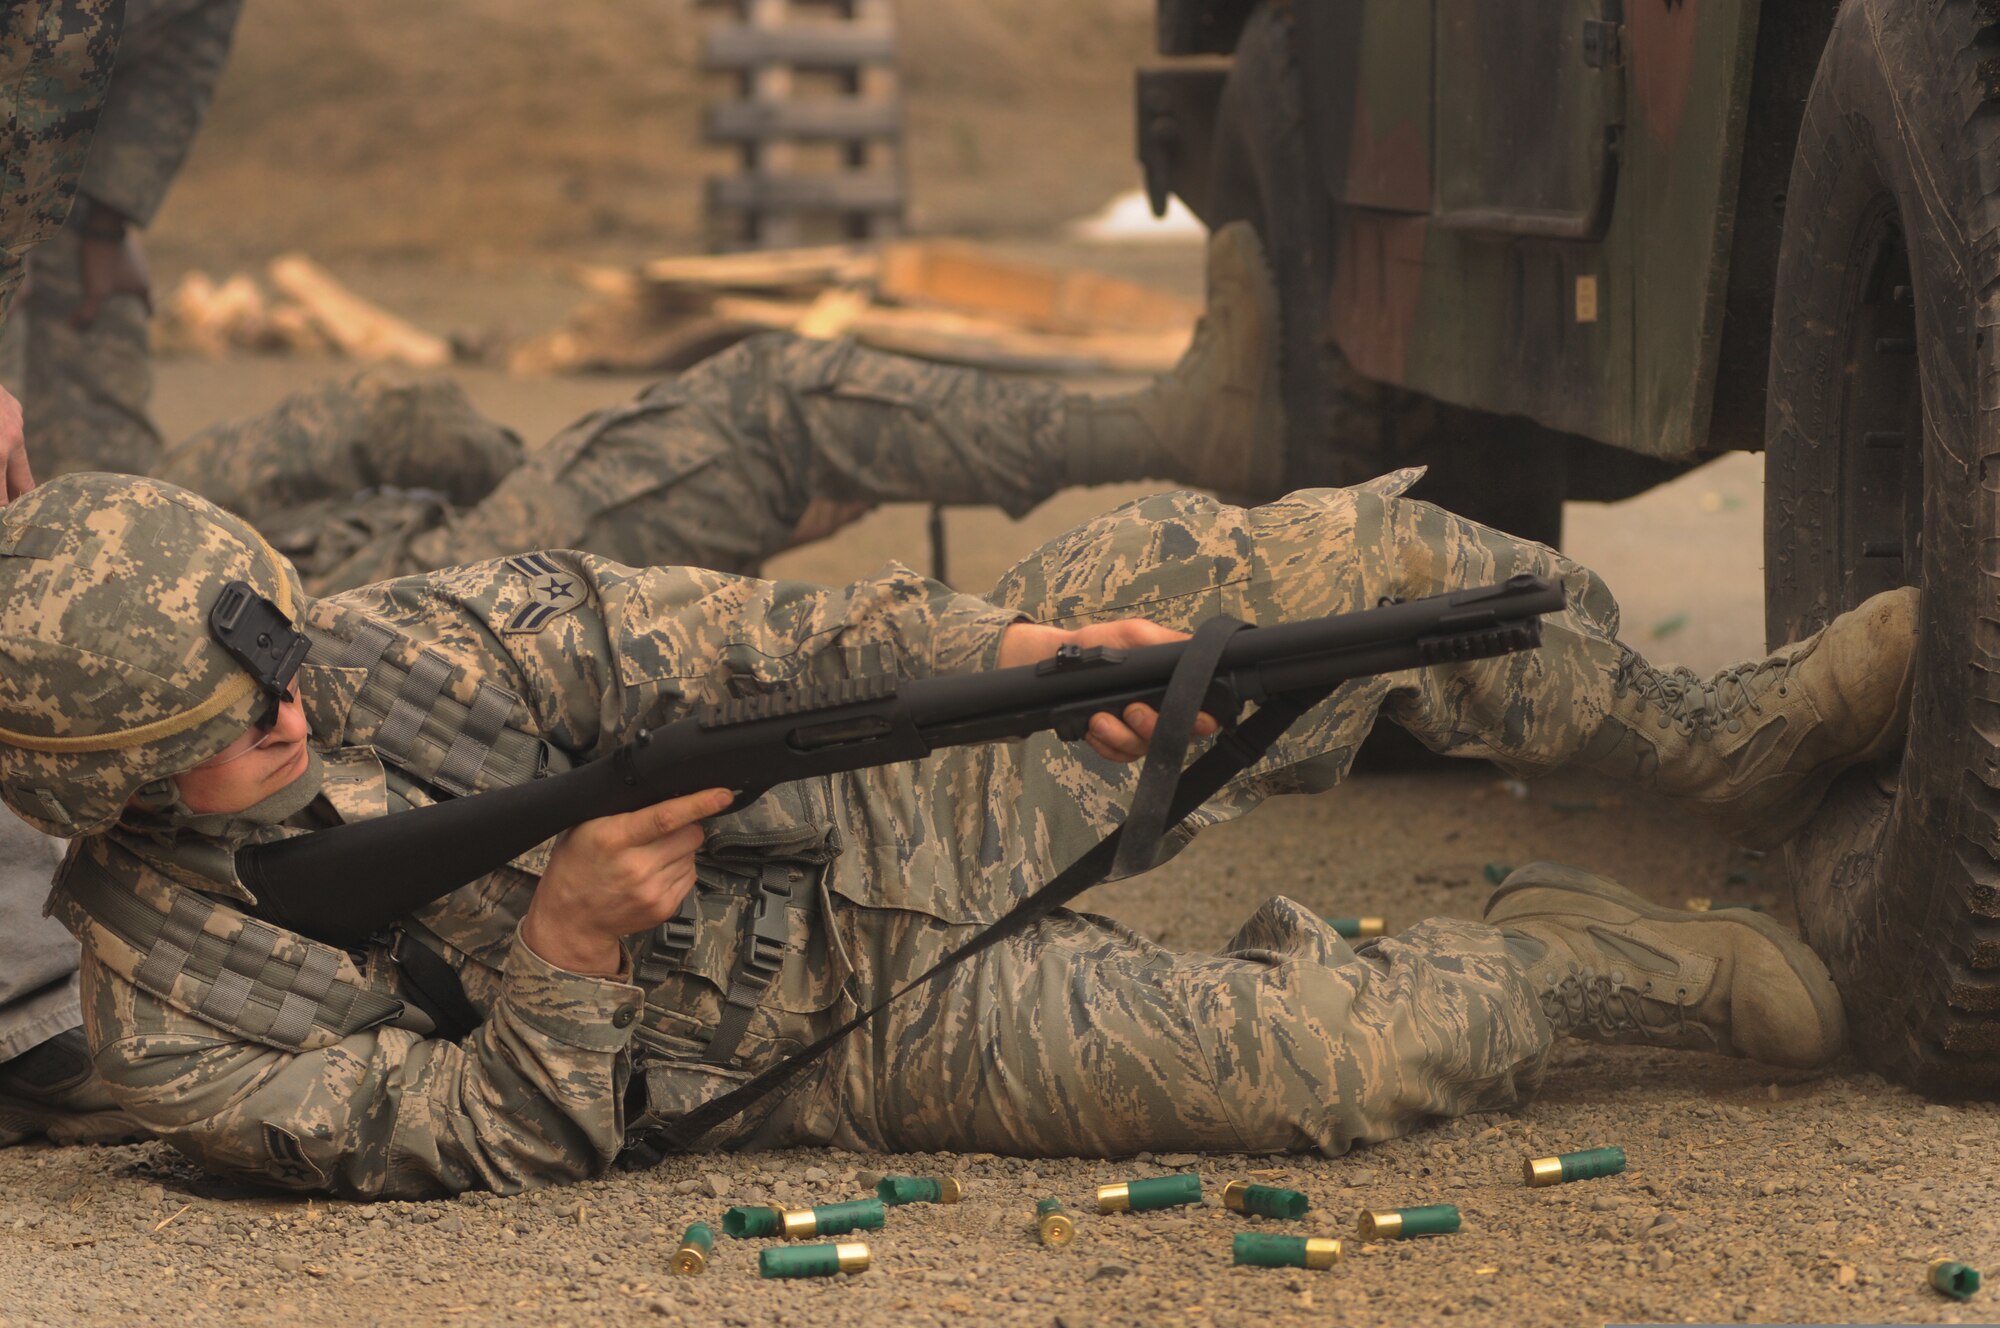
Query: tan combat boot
(1755, 747)
(1609, 967)
(53, 1091)
(1217, 421)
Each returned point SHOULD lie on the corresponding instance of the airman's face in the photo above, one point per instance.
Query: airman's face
(251, 769)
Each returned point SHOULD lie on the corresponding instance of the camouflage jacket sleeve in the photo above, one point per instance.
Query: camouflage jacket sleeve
(168, 64)
(599, 651)
(55, 64)
(533, 1097)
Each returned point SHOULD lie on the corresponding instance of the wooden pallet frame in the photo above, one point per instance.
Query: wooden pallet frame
(769, 203)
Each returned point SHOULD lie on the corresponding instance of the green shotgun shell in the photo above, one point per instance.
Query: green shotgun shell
(835, 1219)
(1398, 1223)
(812, 1260)
(1588, 1164)
(1356, 928)
(752, 1221)
(1142, 1196)
(893, 1190)
(691, 1259)
(1955, 1279)
(1260, 1249)
(1053, 1224)
(1240, 1196)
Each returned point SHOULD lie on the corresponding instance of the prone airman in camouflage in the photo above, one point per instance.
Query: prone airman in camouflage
(517, 1032)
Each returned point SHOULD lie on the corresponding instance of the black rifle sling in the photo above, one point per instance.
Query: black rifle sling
(1180, 707)
(1166, 795)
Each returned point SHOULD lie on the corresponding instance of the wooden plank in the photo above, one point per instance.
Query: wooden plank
(820, 119)
(619, 338)
(360, 328)
(821, 265)
(963, 339)
(845, 191)
(967, 279)
(799, 45)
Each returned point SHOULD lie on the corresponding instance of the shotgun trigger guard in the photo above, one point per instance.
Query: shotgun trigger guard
(744, 797)
(1223, 703)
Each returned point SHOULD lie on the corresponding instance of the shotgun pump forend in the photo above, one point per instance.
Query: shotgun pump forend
(342, 885)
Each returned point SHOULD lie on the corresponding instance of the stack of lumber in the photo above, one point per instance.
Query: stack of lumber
(940, 300)
(306, 310)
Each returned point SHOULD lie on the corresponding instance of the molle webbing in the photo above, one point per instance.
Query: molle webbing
(408, 716)
(235, 981)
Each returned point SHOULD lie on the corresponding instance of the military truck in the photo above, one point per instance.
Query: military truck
(1564, 248)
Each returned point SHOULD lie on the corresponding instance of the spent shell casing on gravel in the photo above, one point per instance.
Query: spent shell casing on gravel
(1141, 1196)
(1053, 1223)
(1955, 1279)
(894, 1190)
(691, 1259)
(753, 1220)
(1240, 1196)
(812, 1260)
(834, 1219)
(1356, 928)
(1398, 1223)
(1585, 1164)
(1258, 1249)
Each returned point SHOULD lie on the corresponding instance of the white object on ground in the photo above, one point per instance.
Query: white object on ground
(1130, 217)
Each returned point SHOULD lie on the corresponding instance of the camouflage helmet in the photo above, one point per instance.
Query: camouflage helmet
(114, 674)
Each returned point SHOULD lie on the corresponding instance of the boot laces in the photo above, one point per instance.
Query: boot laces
(1697, 706)
(1606, 1004)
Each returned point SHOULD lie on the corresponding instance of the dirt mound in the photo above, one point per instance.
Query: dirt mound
(498, 129)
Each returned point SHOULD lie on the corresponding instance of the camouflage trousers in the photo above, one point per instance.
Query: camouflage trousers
(85, 392)
(1081, 1037)
(713, 468)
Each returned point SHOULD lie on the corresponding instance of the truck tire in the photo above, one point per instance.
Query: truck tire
(1883, 468)
(1344, 428)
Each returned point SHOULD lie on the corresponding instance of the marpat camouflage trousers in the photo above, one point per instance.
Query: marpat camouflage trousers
(1081, 1037)
(712, 469)
(85, 392)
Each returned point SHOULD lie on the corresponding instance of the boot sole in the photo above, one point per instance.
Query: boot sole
(1796, 952)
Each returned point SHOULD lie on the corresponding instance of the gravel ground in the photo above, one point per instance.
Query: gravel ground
(1751, 1195)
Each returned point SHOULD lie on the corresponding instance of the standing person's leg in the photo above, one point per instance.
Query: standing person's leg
(85, 392)
(1082, 1037)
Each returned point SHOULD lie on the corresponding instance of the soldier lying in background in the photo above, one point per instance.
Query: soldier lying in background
(770, 443)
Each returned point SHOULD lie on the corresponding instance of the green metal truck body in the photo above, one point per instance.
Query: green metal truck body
(1567, 210)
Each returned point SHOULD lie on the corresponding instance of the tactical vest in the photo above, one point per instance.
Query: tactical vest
(147, 911)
